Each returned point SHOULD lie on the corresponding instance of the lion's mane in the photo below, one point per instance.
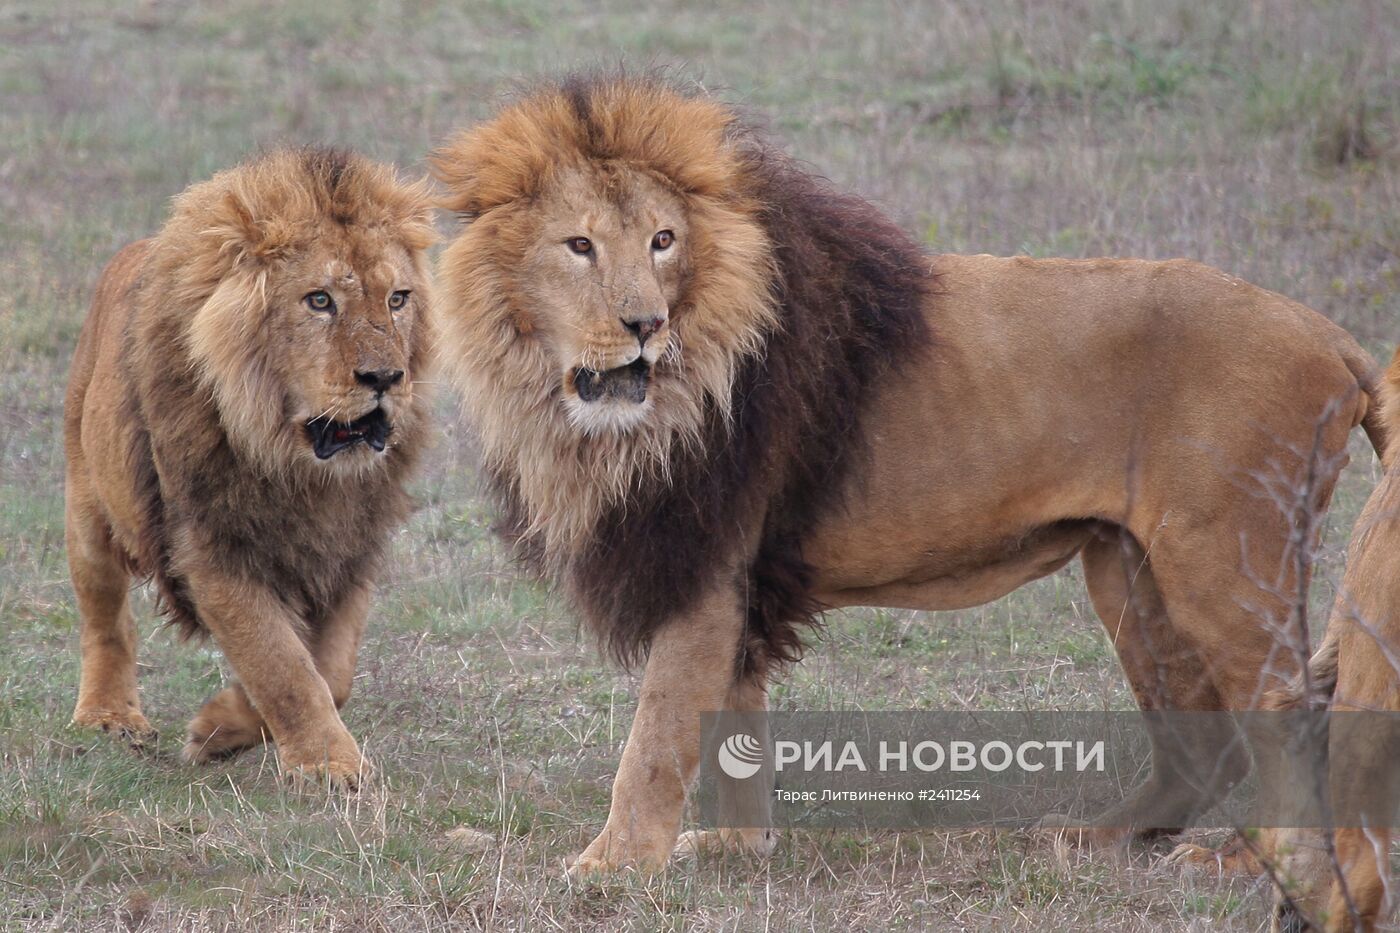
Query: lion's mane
(799, 300)
(204, 398)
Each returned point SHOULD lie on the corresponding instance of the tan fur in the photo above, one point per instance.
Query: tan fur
(1390, 410)
(189, 461)
(1358, 667)
(1146, 414)
(662, 754)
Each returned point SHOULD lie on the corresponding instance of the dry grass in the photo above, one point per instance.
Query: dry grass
(1258, 136)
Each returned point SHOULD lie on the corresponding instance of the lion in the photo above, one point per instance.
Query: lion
(1343, 885)
(241, 417)
(716, 397)
(1357, 665)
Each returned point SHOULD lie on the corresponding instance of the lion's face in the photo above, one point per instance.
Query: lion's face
(343, 320)
(309, 273)
(614, 273)
(603, 267)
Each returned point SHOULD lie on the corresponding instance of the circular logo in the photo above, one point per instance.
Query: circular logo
(740, 756)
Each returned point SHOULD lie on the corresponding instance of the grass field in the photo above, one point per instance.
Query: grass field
(1259, 135)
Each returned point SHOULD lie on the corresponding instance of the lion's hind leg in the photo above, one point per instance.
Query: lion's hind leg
(224, 726)
(107, 693)
(1167, 671)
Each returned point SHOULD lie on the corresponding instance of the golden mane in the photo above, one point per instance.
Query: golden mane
(695, 144)
(258, 211)
(212, 260)
(493, 173)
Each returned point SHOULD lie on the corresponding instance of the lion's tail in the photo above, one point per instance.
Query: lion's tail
(1316, 689)
(1381, 422)
(1380, 418)
(1386, 409)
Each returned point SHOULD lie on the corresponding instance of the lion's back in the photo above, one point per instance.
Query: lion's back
(100, 337)
(95, 427)
(1174, 316)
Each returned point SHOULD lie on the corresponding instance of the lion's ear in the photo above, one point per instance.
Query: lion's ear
(243, 236)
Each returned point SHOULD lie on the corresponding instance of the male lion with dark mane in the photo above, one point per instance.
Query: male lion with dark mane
(240, 420)
(716, 397)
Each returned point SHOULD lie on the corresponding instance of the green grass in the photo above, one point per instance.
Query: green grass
(1055, 128)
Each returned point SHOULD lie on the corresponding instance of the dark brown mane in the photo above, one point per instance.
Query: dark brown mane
(152, 562)
(850, 288)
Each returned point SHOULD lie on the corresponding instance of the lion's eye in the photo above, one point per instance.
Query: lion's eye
(663, 240)
(320, 301)
(581, 245)
(398, 299)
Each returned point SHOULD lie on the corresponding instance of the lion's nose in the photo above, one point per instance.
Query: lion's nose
(380, 380)
(644, 327)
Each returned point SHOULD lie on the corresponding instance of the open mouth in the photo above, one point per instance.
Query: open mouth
(625, 383)
(330, 437)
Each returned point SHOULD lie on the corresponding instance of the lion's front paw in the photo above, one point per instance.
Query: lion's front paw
(129, 726)
(1078, 835)
(611, 854)
(342, 776)
(1232, 858)
(1190, 854)
(341, 768)
(223, 727)
(719, 842)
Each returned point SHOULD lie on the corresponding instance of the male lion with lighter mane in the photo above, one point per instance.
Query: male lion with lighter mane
(240, 421)
(716, 397)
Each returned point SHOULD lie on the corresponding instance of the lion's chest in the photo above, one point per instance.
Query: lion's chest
(309, 546)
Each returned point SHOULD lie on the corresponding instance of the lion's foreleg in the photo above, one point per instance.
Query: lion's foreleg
(228, 723)
(258, 635)
(689, 672)
(745, 806)
(336, 644)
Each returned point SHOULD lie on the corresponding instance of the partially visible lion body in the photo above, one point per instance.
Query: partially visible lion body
(838, 419)
(1348, 886)
(190, 459)
(1063, 396)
